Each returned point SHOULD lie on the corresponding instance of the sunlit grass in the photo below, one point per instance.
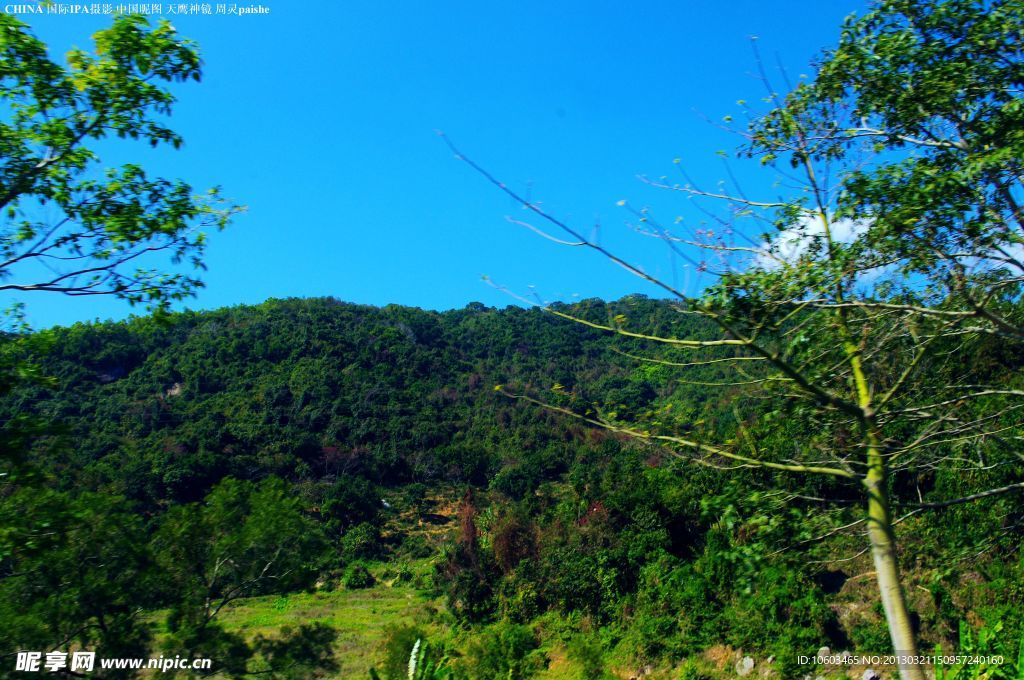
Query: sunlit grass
(360, 618)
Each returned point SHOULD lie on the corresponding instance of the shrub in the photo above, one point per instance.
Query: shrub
(349, 502)
(357, 576)
(361, 542)
(588, 652)
(416, 546)
(519, 593)
(785, 613)
(986, 642)
(465, 572)
(517, 481)
(504, 650)
(871, 637)
(513, 539)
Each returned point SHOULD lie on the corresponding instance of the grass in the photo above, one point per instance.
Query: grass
(360, 618)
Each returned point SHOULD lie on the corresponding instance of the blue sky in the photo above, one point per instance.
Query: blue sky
(321, 116)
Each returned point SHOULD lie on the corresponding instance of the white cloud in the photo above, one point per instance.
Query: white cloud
(794, 242)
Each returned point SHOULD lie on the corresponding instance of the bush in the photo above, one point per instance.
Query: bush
(361, 542)
(677, 611)
(588, 652)
(572, 579)
(416, 546)
(399, 573)
(357, 576)
(465, 572)
(415, 496)
(871, 637)
(785, 614)
(349, 502)
(517, 481)
(513, 539)
(519, 593)
(469, 595)
(690, 671)
(504, 650)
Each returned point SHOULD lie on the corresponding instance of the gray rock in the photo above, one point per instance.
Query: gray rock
(744, 666)
(824, 651)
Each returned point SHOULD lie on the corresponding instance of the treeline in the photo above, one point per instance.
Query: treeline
(307, 390)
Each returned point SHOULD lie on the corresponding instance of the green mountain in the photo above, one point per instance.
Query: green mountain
(219, 460)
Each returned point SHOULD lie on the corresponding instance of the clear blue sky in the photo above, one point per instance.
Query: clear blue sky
(320, 118)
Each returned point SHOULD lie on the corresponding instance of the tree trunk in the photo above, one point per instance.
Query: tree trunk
(883, 550)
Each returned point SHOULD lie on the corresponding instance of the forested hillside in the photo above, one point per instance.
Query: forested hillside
(315, 444)
(313, 389)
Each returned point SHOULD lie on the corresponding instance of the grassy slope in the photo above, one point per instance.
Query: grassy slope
(359, 616)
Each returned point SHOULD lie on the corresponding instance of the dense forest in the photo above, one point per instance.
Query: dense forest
(201, 458)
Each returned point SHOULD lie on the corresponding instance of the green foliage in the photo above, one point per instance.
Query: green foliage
(409, 655)
(337, 398)
(361, 542)
(217, 455)
(398, 648)
(936, 81)
(348, 502)
(689, 671)
(244, 539)
(81, 570)
(785, 614)
(92, 567)
(985, 644)
(516, 481)
(895, 258)
(588, 652)
(100, 225)
(424, 666)
(357, 576)
(467, 570)
(666, 559)
(504, 650)
(872, 637)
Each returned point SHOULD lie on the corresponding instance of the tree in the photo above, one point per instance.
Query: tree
(80, 574)
(67, 224)
(75, 568)
(854, 314)
(244, 539)
(71, 225)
